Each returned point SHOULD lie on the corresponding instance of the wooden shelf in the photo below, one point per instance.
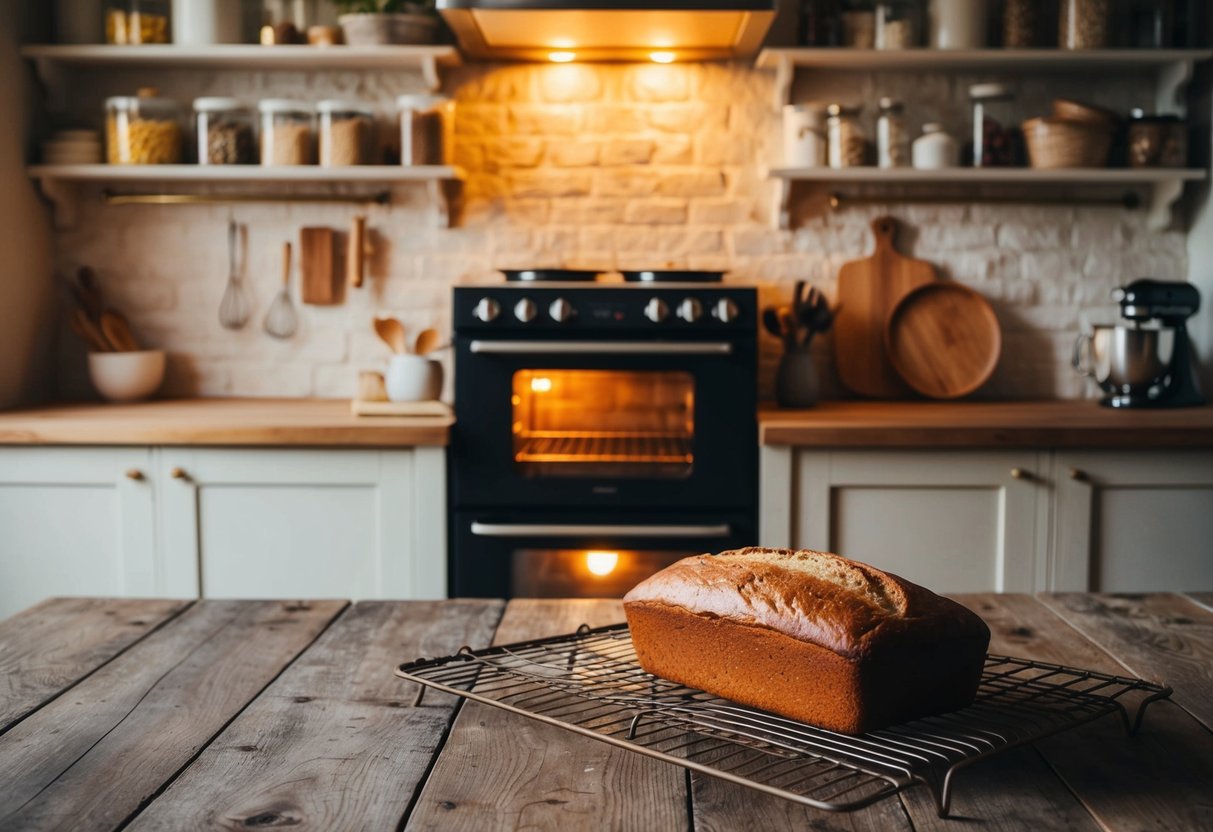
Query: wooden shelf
(1019, 60)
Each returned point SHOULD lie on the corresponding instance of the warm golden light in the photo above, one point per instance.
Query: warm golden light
(601, 563)
(541, 384)
(562, 57)
(662, 57)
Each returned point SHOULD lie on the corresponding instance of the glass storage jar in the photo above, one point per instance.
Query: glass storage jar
(287, 132)
(137, 21)
(224, 130)
(858, 24)
(142, 129)
(848, 144)
(1157, 141)
(804, 136)
(820, 23)
(1020, 21)
(1084, 24)
(897, 24)
(346, 133)
(892, 144)
(994, 138)
(287, 21)
(957, 24)
(427, 125)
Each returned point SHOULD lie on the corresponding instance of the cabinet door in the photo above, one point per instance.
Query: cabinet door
(309, 524)
(1134, 521)
(952, 521)
(76, 521)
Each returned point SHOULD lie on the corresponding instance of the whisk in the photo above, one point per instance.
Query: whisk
(280, 320)
(234, 309)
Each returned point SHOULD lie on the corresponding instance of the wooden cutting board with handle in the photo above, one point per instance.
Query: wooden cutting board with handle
(868, 290)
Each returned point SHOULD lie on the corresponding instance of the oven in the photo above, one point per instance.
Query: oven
(614, 420)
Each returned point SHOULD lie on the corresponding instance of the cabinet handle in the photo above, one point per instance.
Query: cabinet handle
(134, 474)
(179, 474)
(1021, 474)
(1078, 475)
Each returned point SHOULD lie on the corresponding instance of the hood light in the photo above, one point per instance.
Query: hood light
(662, 57)
(562, 57)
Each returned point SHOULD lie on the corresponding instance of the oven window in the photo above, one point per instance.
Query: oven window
(584, 573)
(603, 423)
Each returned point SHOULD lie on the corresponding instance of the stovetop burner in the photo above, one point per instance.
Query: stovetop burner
(549, 276)
(673, 277)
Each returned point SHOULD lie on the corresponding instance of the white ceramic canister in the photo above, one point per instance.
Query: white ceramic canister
(935, 149)
(958, 24)
(413, 378)
(201, 22)
(804, 136)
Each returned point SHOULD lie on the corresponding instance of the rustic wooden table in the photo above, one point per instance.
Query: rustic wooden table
(243, 714)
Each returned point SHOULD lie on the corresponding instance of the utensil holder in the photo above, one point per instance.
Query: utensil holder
(797, 383)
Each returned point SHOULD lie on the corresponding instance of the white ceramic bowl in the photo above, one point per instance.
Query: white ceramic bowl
(126, 376)
(412, 378)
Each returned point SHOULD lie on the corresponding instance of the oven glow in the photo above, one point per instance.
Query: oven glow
(601, 563)
(562, 57)
(541, 384)
(662, 57)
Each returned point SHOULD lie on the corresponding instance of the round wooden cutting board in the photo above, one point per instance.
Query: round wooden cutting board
(943, 339)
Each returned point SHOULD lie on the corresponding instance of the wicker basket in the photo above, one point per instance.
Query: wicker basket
(1062, 143)
(1069, 110)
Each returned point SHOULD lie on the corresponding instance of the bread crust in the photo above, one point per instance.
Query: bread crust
(843, 645)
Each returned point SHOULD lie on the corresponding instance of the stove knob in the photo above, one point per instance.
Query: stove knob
(657, 310)
(690, 310)
(525, 311)
(561, 310)
(486, 310)
(725, 311)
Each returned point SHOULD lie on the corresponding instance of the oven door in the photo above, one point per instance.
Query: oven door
(605, 423)
(579, 555)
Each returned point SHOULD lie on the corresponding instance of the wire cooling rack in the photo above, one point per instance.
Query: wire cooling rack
(589, 682)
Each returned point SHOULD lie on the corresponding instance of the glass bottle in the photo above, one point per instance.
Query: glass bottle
(897, 24)
(892, 145)
(1020, 20)
(1084, 24)
(994, 139)
(847, 143)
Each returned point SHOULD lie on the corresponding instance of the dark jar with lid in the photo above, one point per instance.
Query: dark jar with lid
(1157, 141)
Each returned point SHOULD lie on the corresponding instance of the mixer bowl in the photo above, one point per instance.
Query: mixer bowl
(1129, 359)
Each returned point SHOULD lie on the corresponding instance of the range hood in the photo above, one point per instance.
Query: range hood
(608, 30)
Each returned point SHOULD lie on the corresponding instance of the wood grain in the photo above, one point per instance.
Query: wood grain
(503, 771)
(868, 290)
(222, 422)
(88, 760)
(342, 699)
(1162, 636)
(1053, 424)
(1205, 599)
(316, 266)
(49, 647)
(943, 339)
(1155, 780)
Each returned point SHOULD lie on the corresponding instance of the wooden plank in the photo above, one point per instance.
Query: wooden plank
(1160, 636)
(90, 759)
(503, 771)
(333, 743)
(1156, 780)
(52, 645)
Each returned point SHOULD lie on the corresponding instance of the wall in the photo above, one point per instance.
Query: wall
(603, 167)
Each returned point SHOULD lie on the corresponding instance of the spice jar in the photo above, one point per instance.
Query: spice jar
(858, 25)
(287, 128)
(848, 145)
(994, 140)
(137, 22)
(935, 149)
(892, 145)
(1019, 24)
(426, 129)
(1084, 24)
(224, 131)
(346, 133)
(897, 24)
(804, 136)
(1157, 141)
(142, 129)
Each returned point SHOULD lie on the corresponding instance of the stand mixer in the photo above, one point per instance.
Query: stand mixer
(1151, 362)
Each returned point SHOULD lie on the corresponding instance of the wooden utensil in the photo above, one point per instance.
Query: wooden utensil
(392, 333)
(280, 320)
(868, 290)
(88, 293)
(355, 254)
(88, 331)
(427, 342)
(118, 332)
(316, 266)
(944, 340)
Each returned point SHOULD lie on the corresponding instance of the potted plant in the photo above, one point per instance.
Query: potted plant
(379, 22)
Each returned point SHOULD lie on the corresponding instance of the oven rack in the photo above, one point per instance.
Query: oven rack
(589, 682)
(591, 447)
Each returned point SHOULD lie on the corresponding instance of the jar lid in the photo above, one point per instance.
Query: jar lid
(419, 101)
(217, 104)
(932, 127)
(990, 92)
(840, 110)
(337, 105)
(891, 104)
(285, 105)
(144, 100)
(1138, 114)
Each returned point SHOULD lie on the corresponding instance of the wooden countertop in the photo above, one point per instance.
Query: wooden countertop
(288, 714)
(1054, 424)
(220, 422)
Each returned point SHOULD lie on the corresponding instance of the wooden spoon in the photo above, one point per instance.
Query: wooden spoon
(427, 342)
(118, 332)
(88, 293)
(392, 333)
(88, 332)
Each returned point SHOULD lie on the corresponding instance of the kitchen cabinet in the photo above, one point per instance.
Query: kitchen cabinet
(968, 521)
(79, 521)
(1133, 521)
(307, 523)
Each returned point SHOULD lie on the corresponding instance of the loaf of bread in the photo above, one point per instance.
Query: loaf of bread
(808, 635)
